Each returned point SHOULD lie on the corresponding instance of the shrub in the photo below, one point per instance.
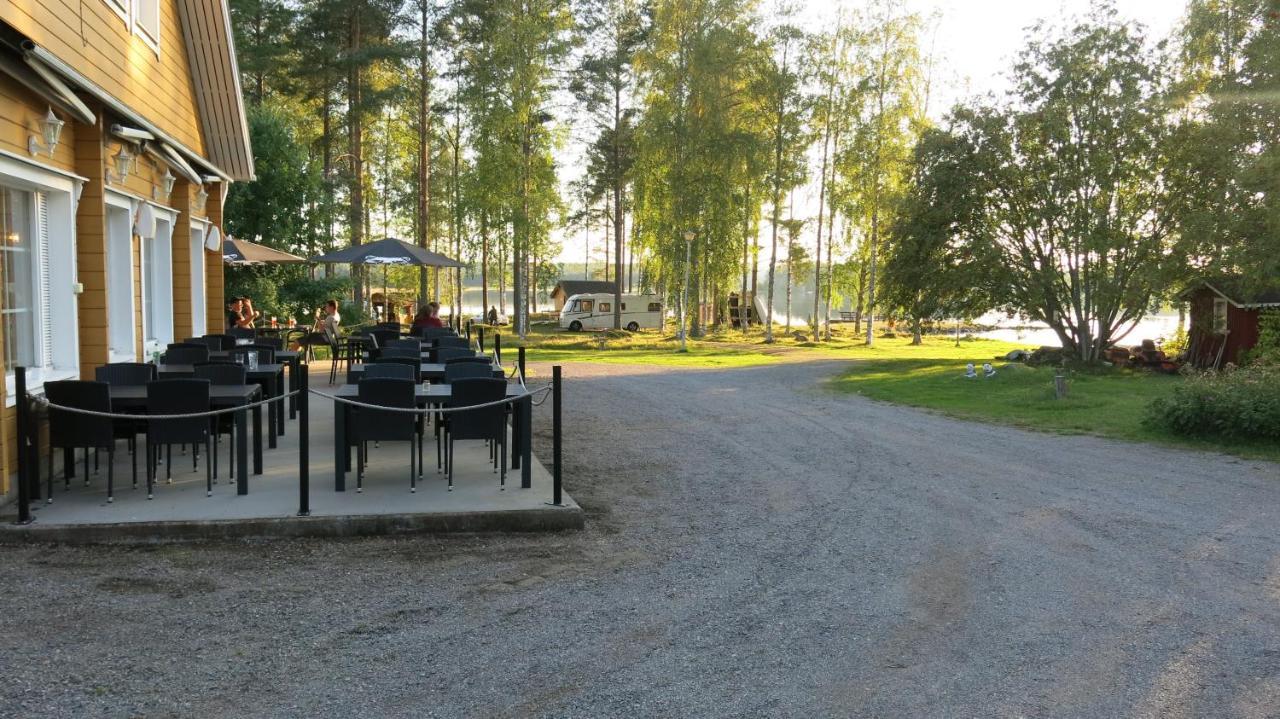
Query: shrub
(1242, 403)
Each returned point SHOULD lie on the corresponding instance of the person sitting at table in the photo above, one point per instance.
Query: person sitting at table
(235, 313)
(429, 316)
(493, 316)
(324, 331)
(250, 315)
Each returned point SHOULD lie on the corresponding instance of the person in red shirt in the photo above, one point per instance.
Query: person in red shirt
(428, 316)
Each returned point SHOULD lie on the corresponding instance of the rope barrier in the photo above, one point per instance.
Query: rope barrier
(40, 400)
(437, 410)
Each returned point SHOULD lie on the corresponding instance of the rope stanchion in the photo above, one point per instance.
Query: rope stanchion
(544, 391)
(148, 417)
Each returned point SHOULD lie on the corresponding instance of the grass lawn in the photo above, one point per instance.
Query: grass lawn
(1106, 403)
(547, 343)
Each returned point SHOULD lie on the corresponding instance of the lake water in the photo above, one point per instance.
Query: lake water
(1153, 327)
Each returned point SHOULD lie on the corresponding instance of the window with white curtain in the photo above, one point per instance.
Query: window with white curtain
(17, 259)
(157, 286)
(146, 21)
(37, 272)
(121, 326)
(198, 308)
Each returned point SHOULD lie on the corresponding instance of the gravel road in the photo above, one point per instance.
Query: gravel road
(756, 546)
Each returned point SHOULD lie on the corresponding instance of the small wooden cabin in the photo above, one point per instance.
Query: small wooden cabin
(1224, 319)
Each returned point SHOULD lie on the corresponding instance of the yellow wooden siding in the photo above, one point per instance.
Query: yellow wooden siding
(181, 253)
(214, 292)
(90, 37)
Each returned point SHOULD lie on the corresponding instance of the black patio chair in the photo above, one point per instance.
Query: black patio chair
(410, 343)
(473, 359)
(465, 369)
(230, 373)
(408, 352)
(371, 425)
(224, 342)
(127, 374)
(351, 350)
(384, 336)
(71, 430)
(459, 342)
(275, 343)
(213, 343)
(185, 354)
(445, 354)
(388, 326)
(242, 333)
(393, 369)
(487, 423)
(177, 396)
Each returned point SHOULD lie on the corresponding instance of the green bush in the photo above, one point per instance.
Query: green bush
(1242, 403)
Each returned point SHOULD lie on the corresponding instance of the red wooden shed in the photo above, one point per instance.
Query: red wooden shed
(1224, 319)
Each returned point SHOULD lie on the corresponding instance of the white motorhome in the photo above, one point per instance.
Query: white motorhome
(594, 311)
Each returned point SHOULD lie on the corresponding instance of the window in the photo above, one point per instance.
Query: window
(585, 305)
(37, 274)
(197, 280)
(157, 286)
(1219, 316)
(606, 306)
(655, 306)
(146, 21)
(622, 306)
(16, 263)
(121, 325)
(141, 17)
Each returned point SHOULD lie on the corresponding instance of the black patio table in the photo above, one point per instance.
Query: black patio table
(269, 376)
(436, 395)
(291, 358)
(427, 371)
(220, 396)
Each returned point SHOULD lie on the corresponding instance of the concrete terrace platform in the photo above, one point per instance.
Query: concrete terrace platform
(181, 511)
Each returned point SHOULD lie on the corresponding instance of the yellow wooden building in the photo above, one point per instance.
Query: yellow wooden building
(122, 126)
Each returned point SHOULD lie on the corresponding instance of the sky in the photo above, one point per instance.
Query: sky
(973, 45)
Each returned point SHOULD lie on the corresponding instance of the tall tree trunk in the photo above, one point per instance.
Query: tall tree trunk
(791, 241)
(424, 145)
(484, 263)
(355, 148)
(822, 195)
(617, 207)
(744, 306)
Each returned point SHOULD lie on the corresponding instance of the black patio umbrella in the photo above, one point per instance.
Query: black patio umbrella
(237, 252)
(390, 251)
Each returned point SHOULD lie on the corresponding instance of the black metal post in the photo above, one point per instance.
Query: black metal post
(497, 347)
(304, 447)
(468, 330)
(480, 331)
(24, 457)
(556, 438)
(520, 362)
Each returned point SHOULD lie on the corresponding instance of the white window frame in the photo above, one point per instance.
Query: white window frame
(149, 36)
(1221, 315)
(159, 283)
(117, 274)
(121, 8)
(199, 300)
(60, 358)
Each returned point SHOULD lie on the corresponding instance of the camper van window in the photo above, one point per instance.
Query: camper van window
(655, 306)
(606, 306)
(585, 305)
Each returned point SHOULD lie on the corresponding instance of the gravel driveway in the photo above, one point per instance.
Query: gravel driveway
(756, 546)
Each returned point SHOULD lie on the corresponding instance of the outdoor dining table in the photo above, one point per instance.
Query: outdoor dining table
(427, 371)
(436, 395)
(291, 358)
(220, 396)
(267, 375)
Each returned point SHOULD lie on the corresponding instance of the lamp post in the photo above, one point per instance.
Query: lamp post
(684, 291)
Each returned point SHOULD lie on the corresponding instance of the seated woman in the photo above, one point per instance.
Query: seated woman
(428, 316)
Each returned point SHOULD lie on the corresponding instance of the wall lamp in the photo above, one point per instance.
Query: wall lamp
(120, 162)
(50, 130)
